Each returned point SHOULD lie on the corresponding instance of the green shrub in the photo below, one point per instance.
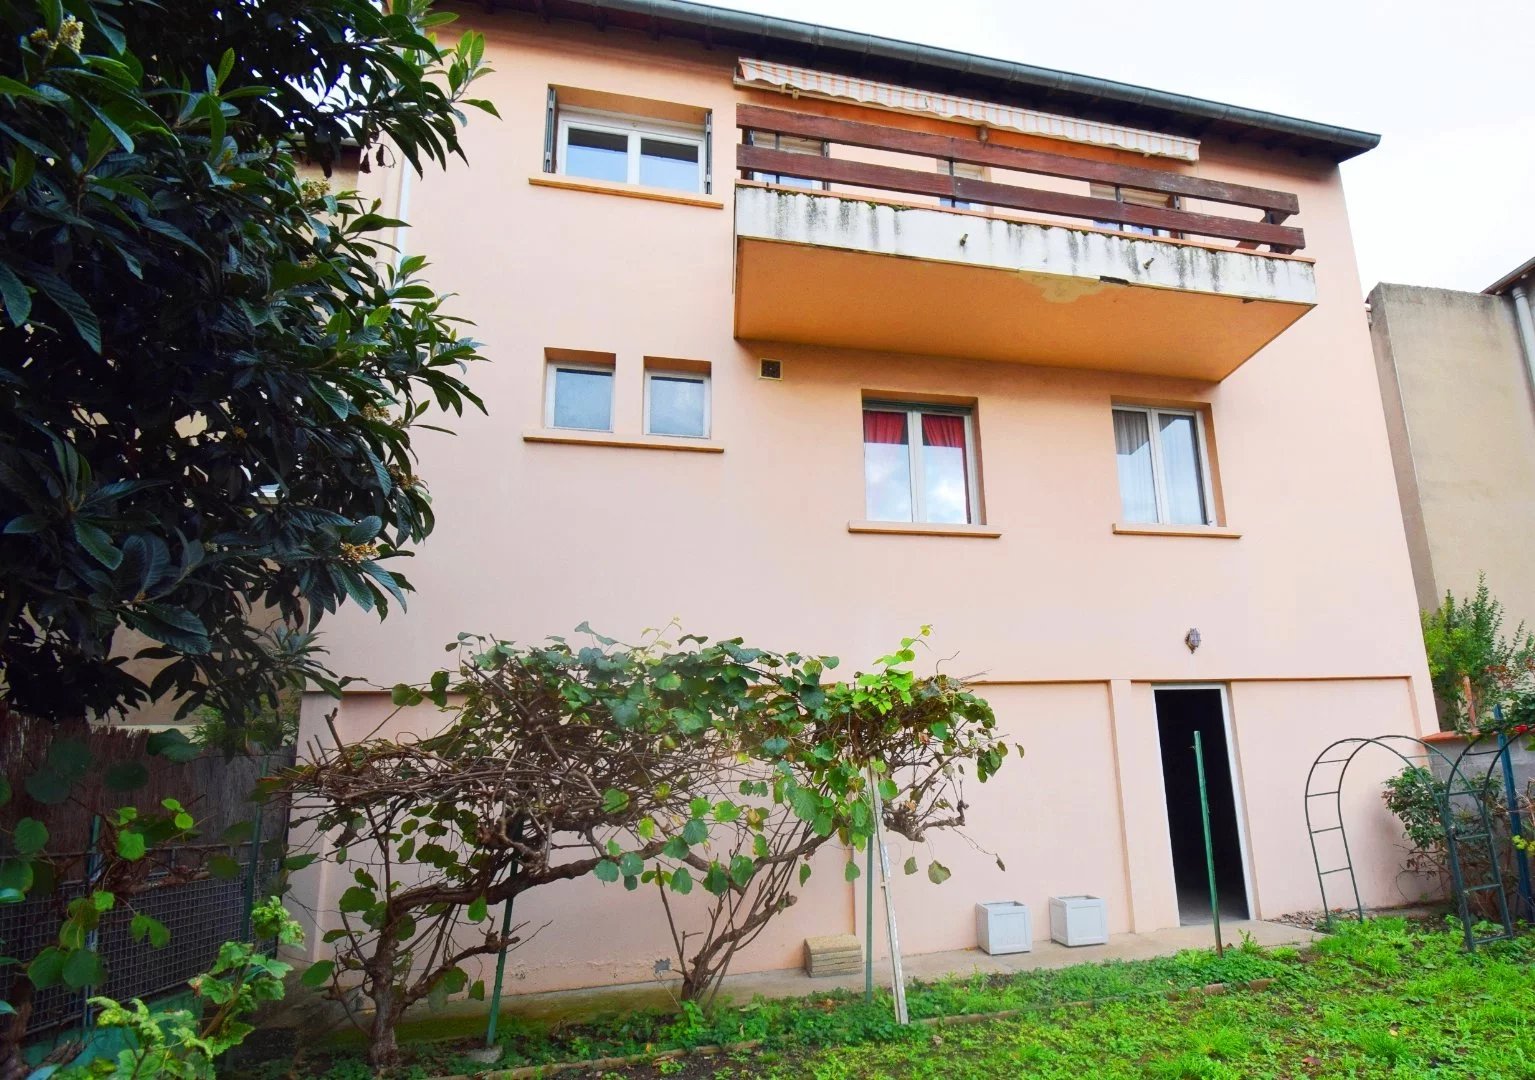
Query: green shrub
(1467, 650)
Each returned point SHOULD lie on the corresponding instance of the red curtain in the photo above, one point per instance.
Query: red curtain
(885, 427)
(948, 431)
(941, 430)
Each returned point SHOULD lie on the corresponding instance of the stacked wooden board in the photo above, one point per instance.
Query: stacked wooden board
(833, 954)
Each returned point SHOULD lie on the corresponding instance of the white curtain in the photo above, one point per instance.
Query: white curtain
(1132, 450)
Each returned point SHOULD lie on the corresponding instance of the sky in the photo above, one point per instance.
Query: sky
(1447, 199)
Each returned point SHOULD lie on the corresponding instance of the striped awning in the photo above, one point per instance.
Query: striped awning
(824, 84)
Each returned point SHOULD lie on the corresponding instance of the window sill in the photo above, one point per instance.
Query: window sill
(1212, 532)
(633, 442)
(923, 528)
(632, 191)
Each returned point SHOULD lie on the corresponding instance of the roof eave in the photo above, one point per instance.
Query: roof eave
(719, 26)
(1507, 281)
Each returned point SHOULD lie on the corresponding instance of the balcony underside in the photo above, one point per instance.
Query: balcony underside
(835, 270)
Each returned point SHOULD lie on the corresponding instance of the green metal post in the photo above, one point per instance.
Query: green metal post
(519, 823)
(495, 993)
(92, 872)
(1204, 813)
(255, 858)
(868, 912)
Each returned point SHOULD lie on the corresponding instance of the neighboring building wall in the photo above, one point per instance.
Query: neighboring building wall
(1461, 419)
(1308, 616)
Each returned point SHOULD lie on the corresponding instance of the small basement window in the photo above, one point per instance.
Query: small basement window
(1164, 475)
(623, 149)
(578, 391)
(919, 463)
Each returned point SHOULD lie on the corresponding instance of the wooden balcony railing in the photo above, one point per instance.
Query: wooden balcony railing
(1275, 206)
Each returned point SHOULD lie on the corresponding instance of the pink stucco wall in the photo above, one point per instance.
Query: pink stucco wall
(1309, 617)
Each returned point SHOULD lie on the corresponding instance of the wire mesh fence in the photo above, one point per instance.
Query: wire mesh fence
(200, 911)
(201, 915)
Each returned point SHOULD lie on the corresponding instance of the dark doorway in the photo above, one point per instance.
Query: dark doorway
(1180, 713)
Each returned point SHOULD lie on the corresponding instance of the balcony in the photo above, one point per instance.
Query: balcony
(1083, 281)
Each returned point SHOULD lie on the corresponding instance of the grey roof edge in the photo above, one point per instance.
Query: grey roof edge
(1508, 280)
(1340, 143)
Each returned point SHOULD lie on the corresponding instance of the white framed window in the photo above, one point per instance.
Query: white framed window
(1133, 197)
(959, 168)
(1164, 473)
(597, 145)
(794, 144)
(919, 463)
(677, 403)
(578, 396)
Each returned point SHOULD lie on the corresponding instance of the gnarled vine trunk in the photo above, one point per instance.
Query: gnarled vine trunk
(383, 1050)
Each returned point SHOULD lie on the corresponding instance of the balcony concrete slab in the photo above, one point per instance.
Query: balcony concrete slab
(833, 269)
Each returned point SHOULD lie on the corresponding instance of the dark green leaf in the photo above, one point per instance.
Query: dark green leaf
(127, 776)
(73, 305)
(172, 745)
(17, 874)
(47, 786)
(46, 968)
(82, 968)
(144, 926)
(15, 296)
(30, 837)
(356, 899)
(318, 974)
(70, 758)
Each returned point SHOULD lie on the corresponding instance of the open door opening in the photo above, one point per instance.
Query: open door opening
(1180, 713)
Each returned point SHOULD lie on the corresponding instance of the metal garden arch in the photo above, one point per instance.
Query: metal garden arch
(1496, 746)
(1325, 817)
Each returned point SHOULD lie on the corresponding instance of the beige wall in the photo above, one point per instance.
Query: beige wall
(1309, 615)
(1462, 427)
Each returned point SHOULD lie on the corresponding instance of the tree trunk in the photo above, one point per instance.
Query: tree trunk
(383, 1050)
(12, 1029)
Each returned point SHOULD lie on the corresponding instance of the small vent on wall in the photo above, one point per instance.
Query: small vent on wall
(772, 369)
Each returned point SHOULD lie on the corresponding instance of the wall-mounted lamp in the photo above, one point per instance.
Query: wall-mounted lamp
(1192, 639)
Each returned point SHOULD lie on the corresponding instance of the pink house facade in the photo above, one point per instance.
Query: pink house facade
(814, 338)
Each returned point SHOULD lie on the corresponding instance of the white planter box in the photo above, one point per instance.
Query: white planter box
(1078, 920)
(1003, 927)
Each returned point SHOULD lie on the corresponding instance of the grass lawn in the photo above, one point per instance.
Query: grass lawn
(1384, 999)
(1379, 1000)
